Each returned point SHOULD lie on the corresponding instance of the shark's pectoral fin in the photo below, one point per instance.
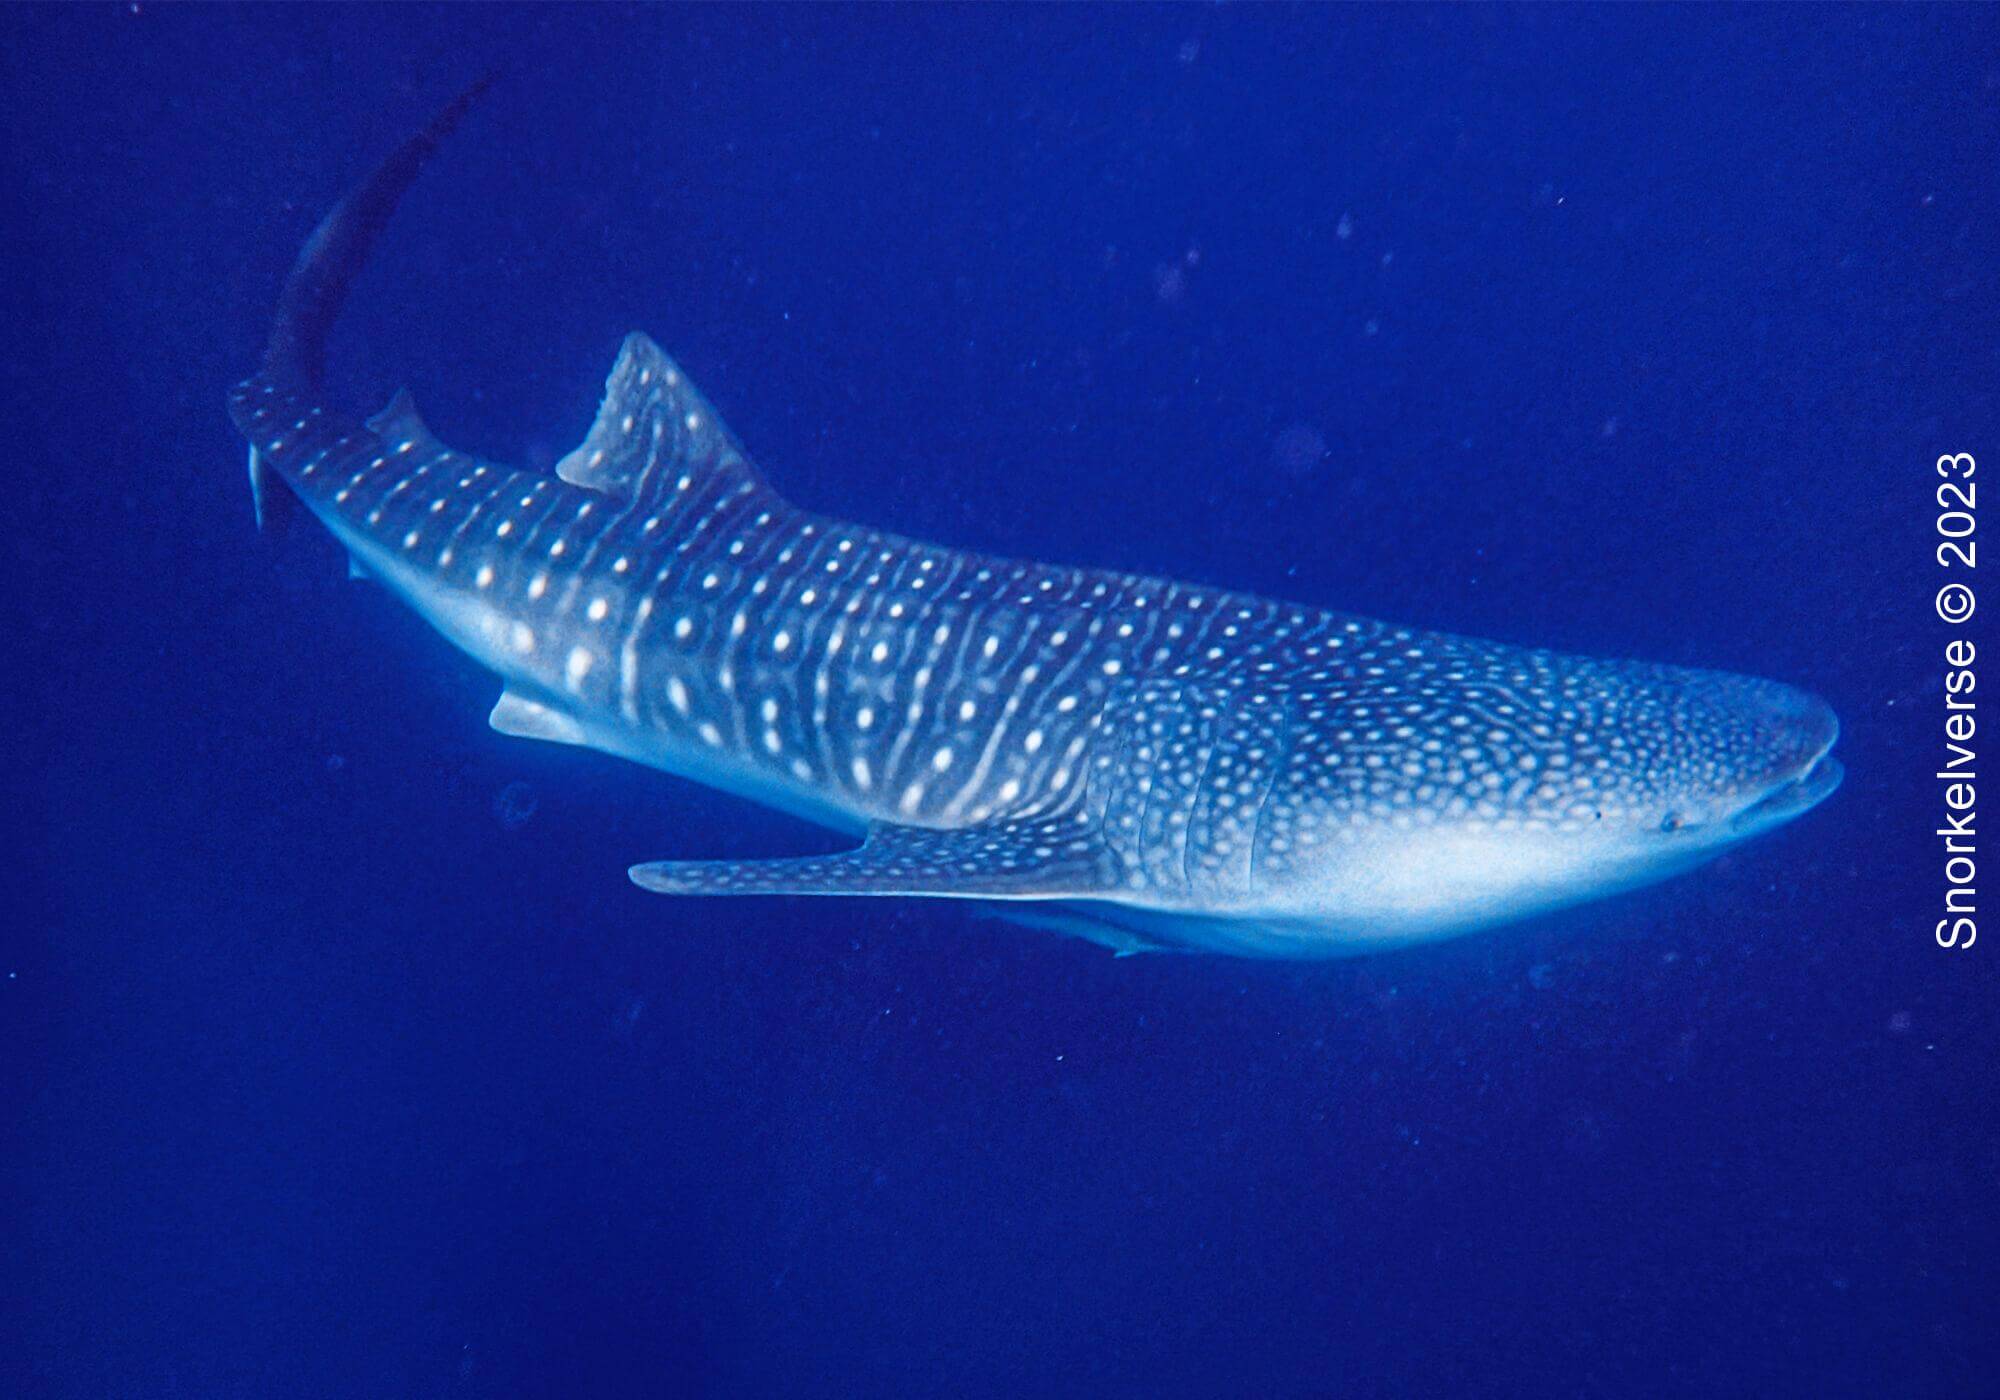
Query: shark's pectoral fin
(1062, 858)
(530, 719)
(1078, 921)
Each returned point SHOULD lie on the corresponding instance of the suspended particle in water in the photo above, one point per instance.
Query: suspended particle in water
(514, 804)
(1583, 1135)
(1298, 450)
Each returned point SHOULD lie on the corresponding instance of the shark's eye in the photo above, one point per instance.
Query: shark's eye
(1672, 821)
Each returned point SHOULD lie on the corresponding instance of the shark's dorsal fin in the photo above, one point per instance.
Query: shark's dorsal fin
(1059, 858)
(399, 422)
(653, 431)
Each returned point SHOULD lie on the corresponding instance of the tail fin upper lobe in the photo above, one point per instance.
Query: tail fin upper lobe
(295, 356)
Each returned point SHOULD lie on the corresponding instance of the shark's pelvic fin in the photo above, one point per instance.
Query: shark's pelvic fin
(654, 429)
(531, 719)
(1059, 858)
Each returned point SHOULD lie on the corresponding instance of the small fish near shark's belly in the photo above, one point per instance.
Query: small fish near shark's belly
(1140, 761)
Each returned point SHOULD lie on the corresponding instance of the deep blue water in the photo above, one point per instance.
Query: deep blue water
(346, 1062)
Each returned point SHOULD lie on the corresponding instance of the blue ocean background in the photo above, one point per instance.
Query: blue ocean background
(342, 1058)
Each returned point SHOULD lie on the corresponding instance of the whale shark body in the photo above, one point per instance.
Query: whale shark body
(1146, 763)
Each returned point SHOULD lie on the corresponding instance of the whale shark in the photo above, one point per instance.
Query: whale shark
(1147, 763)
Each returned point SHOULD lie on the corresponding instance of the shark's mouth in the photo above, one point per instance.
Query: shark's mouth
(1788, 799)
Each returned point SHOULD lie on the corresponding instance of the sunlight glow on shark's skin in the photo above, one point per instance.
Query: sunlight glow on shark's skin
(1143, 762)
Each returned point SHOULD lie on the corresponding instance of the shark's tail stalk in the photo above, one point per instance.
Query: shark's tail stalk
(295, 356)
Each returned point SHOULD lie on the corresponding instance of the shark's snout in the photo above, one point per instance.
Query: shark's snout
(1794, 733)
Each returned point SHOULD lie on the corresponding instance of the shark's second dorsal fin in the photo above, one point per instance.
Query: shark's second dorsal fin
(654, 430)
(1058, 858)
(399, 422)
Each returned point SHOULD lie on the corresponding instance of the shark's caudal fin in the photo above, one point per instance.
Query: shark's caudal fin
(339, 248)
(295, 355)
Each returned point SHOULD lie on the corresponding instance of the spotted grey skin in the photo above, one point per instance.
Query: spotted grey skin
(1144, 762)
